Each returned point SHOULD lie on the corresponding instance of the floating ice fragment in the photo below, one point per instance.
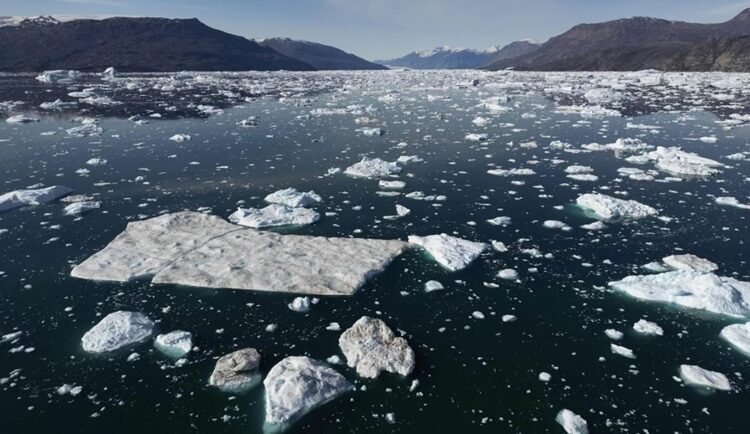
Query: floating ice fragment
(174, 344)
(273, 215)
(292, 198)
(19, 198)
(450, 252)
(697, 376)
(692, 289)
(117, 330)
(571, 422)
(739, 336)
(237, 371)
(297, 385)
(645, 327)
(622, 351)
(370, 346)
(689, 262)
(610, 208)
(373, 168)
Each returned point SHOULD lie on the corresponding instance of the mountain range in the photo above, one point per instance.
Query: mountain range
(460, 58)
(321, 57)
(641, 43)
(143, 44)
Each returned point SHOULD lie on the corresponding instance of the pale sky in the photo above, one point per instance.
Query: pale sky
(377, 29)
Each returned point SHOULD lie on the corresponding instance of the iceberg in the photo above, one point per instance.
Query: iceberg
(371, 347)
(237, 371)
(195, 249)
(691, 289)
(739, 336)
(689, 262)
(610, 208)
(296, 385)
(292, 198)
(645, 327)
(19, 198)
(174, 344)
(678, 162)
(450, 252)
(571, 422)
(697, 376)
(373, 168)
(77, 208)
(273, 215)
(117, 330)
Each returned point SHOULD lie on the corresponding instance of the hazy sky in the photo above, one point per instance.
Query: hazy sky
(377, 29)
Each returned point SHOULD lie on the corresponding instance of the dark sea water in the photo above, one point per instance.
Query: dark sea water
(475, 376)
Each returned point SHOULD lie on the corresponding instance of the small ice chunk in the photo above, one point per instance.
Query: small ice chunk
(402, 211)
(697, 376)
(175, 344)
(613, 334)
(507, 274)
(370, 346)
(300, 304)
(645, 327)
(452, 253)
(433, 285)
(179, 138)
(545, 376)
(117, 330)
(571, 422)
(77, 208)
(622, 351)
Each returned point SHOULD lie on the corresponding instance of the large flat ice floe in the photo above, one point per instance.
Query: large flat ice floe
(19, 198)
(373, 168)
(611, 208)
(292, 198)
(194, 249)
(450, 252)
(678, 162)
(296, 385)
(692, 289)
(117, 330)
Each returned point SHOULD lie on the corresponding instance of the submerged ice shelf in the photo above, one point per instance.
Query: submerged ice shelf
(194, 249)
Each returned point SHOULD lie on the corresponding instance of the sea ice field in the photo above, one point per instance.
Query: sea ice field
(375, 252)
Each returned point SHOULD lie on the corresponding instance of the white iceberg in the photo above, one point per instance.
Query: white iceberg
(692, 289)
(19, 198)
(645, 327)
(296, 385)
(373, 168)
(371, 347)
(274, 215)
(450, 252)
(689, 262)
(174, 344)
(292, 198)
(697, 376)
(610, 208)
(571, 422)
(739, 336)
(77, 208)
(678, 162)
(117, 330)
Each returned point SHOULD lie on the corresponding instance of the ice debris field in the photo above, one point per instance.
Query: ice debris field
(375, 252)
